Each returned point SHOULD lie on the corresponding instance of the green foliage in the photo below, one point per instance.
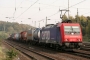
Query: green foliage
(11, 54)
(7, 28)
(86, 38)
(64, 17)
(3, 35)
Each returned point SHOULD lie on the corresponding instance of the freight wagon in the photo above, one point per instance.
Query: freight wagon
(23, 35)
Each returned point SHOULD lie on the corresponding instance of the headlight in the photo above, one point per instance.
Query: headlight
(72, 33)
(79, 40)
(66, 39)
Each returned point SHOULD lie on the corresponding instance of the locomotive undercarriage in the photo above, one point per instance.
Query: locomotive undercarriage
(72, 45)
(62, 46)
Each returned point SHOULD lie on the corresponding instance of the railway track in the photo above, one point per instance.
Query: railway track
(86, 46)
(81, 53)
(32, 53)
(57, 55)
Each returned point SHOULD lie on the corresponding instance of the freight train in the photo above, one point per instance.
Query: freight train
(61, 35)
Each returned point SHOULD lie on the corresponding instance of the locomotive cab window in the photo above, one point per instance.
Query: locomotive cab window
(72, 29)
(67, 29)
(76, 29)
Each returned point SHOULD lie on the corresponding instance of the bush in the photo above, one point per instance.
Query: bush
(11, 54)
(86, 38)
(3, 35)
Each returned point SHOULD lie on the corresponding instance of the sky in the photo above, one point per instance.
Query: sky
(33, 12)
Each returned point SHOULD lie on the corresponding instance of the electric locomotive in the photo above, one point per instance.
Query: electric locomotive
(62, 35)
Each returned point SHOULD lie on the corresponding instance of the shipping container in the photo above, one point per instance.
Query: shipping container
(30, 34)
(23, 35)
(17, 36)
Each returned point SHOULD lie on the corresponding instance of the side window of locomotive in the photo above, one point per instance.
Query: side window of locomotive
(58, 30)
(76, 29)
(58, 34)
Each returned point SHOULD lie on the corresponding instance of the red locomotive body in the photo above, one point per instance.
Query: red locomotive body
(71, 34)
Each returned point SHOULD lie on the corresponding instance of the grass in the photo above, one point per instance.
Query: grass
(7, 54)
(2, 53)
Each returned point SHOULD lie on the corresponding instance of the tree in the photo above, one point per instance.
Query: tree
(10, 29)
(77, 18)
(71, 18)
(64, 17)
(88, 28)
(83, 18)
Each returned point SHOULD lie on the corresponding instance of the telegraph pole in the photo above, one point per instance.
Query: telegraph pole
(35, 23)
(77, 15)
(39, 24)
(68, 9)
(46, 20)
(4, 26)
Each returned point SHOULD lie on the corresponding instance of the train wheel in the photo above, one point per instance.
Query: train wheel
(57, 47)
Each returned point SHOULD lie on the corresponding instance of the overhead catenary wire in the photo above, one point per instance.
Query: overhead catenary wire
(86, 13)
(27, 9)
(49, 16)
(77, 3)
(46, 7)
(14, 10)
(67, 8)
(20, 3)
(52, 14)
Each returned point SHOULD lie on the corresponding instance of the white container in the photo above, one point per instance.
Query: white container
(30, 34)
